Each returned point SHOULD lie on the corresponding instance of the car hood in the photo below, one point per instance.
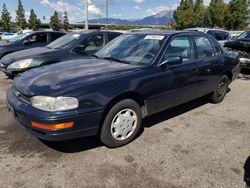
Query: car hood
(26, 54)
(65, 77)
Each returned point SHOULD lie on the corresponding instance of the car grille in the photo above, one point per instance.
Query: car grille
(22, 97)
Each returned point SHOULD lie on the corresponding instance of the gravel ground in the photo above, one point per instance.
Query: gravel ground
(193, 145)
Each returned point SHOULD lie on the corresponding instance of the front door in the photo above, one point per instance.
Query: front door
(177, 83)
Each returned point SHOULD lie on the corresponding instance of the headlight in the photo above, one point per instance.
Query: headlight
(20, 64)
(53, 104)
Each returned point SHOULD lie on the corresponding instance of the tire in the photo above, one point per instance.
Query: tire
(122, 124)
(220, 91)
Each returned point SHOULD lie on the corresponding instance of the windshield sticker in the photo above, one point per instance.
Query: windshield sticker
(154, 37)
(76, 35)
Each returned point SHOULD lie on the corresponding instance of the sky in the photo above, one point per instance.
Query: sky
(123, 9)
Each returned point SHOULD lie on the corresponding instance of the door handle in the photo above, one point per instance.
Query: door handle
(195, 70)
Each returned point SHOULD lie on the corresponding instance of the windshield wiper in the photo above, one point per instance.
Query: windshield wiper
(96, 56)
(115, 59)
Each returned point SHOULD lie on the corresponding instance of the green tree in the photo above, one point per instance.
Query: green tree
(34, 23)
(65, 22)
(6, 18)
(54, 22)
(237, 15)
(199, 13)
(184, 15)
(20, 15)
(216, 13)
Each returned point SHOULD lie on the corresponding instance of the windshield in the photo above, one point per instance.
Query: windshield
(133, 48)
(245, 35)
(64, 42)
(19, 37)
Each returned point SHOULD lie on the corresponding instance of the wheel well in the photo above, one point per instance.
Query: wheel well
(128, 95)
(229, 74)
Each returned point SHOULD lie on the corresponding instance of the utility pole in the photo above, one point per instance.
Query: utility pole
(87, 15)
(107, 12)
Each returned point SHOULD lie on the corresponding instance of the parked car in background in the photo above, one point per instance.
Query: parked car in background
(28, 40)
(242, 45)
(134, 76)
(8, 35)
(220, 35)
(69, 46)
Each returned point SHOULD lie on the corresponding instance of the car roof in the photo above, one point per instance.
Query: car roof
(205, 29)
(92, 31)
(163, 32)
(45, 32)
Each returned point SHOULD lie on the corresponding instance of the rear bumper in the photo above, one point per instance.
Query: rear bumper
(85, 124)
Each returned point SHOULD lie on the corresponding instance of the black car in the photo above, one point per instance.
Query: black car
(28, 40)
(69, 46)
(242, 45)
(134, 76)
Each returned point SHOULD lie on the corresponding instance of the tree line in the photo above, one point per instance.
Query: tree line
(33, 22)
(193, 13)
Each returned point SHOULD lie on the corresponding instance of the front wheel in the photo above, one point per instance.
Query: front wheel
(221, 89)
(122, 124)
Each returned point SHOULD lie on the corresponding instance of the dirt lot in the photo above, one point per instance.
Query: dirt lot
(194, 145)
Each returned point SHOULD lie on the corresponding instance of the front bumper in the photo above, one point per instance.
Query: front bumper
(85, 124)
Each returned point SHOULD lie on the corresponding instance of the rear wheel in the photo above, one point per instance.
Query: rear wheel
(221, 89)
(122, 124)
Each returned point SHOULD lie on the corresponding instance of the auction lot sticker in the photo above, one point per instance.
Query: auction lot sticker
(154, 37)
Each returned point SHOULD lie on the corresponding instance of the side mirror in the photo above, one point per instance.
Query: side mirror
(79, 48)
(174, 60)
(26, 42)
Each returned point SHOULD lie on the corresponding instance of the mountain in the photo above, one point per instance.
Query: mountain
(162, 18)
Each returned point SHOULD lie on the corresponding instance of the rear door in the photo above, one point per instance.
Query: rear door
(177, 84)
(210, 62)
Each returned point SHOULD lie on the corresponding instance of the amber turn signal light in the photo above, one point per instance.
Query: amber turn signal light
(52, 127)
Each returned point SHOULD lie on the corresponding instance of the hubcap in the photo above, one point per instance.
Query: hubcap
(123, 124)
(221, 89)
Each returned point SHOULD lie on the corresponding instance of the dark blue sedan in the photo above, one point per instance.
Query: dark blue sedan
(134, 76)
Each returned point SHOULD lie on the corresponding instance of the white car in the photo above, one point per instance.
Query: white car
(219, 34)
(8, 35)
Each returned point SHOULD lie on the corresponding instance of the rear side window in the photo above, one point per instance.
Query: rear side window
(55, 36)
(180, 47)
(216, 46)
(111, 36)
(204, 47)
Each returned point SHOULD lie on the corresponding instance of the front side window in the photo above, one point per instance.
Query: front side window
(38, 38)
(93, 43)
(204, 47)
(139, 49)
(179, 47)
